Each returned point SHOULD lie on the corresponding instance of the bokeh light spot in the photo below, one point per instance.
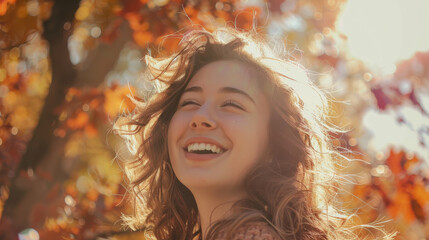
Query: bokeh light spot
(85, 107)
(33, 8)
(367, 77)
(381, 171)
(67, 26)
(14, 130)
(352, 142)
(379, 156)
(70, 201)
(160, 3)
(82, 184)
(409, 155)
(28, 234)
(30, 172)
(82, 13)
(95, 32)
(327, 31)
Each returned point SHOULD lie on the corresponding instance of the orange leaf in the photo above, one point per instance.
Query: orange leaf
(74, 91)
(91, 130)
(4, 5)
(420, 193)
(417, 210)
(75, 230)
(116, 100)
(224, 15)
(190, 10)
(136, 22)
(60, 133)
(410, 161)
(92, 194)
(143, 38)
(71, 190)
(395, 162)
(79, 121)
(94, 103)
(402, 205)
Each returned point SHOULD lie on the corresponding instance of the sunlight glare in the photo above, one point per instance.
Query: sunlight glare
(383, 32)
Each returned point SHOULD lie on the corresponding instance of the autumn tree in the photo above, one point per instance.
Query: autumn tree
(66, 68)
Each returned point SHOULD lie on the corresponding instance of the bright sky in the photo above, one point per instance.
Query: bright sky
(382, 32)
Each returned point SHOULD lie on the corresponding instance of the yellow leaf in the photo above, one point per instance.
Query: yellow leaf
(116, 100)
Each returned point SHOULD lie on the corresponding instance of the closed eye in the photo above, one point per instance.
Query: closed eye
(232, 104)
(188, 102)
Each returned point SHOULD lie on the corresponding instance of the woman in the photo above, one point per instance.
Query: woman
(234, 146)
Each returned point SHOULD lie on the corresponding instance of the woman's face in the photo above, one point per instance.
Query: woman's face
(220, 128)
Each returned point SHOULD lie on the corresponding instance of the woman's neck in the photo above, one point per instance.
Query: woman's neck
(214, 206)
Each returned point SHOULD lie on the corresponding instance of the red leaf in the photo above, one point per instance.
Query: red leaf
(415, 101)
(382, 99)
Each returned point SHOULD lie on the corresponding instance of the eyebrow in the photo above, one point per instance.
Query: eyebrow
(223, 90)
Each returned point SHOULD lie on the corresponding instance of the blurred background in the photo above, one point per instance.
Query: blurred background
(66, 68)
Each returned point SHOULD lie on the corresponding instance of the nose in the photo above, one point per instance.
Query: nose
(202, 120)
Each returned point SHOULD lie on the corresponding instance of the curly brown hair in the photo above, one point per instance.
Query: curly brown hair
(293, 190)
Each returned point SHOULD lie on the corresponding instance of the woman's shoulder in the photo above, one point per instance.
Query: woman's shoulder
(255, 231)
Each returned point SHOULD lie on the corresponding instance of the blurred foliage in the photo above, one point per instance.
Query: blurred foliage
(387, 115)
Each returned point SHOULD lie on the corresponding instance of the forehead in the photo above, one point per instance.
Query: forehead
(225, 73)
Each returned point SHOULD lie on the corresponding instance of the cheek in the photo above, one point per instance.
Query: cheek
(253, 127)
(176, 129)
(249, 135)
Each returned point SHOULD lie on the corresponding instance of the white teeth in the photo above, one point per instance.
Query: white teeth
(204, 146)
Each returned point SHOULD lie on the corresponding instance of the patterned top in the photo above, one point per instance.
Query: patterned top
(254, 231)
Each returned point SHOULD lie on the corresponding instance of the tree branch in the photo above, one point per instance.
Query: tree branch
(45, 151)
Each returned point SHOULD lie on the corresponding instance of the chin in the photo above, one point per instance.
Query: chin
(195, 182)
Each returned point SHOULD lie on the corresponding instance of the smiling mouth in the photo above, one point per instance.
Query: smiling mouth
(204, 148)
